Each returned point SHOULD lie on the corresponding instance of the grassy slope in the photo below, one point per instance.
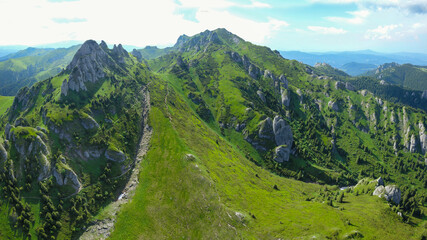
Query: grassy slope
(5, 103)
(15, 73)
(176, 199)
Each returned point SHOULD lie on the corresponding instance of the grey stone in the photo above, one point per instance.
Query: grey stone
(64, 87)
(116, 156)
(284, 81)
(390, 193)
(413, 145)
(266, 129)
(423, 137)
(285, 98)
(333, 105)
(281, 154)
(88, 65)
(3, 154)
(282, 132)
(350, 87)
(261, 95)
(89, 123)
(339, 85)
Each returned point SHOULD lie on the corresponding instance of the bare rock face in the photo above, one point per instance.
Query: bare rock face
(413, 145)
(350, 87)
(423, 138)
(261, 95)
(253, 71)
(87, 66)
(89, 123)
(114, 155)
(285, 98)
(64, 87)
(284, 81)
(333, 105)
(28, 145)
(281, 154)
(266, 129)
(3, 154)
(66, 176)
(284, 138)
(340, 85)
(389, 192)
(137, 54)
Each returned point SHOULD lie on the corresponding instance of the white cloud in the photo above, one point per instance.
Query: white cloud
(359, 17)
(327, 30)
(382, 32)
(409, 6)
(255, 4)
(132, 22)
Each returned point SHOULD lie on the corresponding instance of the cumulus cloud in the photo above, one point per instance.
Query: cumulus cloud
(382, 32)
(358, 17)
(131, 22)
(327, 30)
(410, 6)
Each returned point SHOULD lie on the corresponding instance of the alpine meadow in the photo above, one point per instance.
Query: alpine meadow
(212, 137)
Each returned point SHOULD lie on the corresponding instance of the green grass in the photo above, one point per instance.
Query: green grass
(5, 103)
(176, 199)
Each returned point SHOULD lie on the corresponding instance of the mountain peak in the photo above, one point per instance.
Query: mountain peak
(87, 65)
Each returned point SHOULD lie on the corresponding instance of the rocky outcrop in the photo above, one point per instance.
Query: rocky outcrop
(66, 176)
(340, 85)
(390, 193)
(32, 146)
(88, 65)
(137, 54)
(261, 95)
(115, 155)
(281, 154)
(284, 81)
(424, 95)
(89, 123)
(413, 144)
(253, 71)
(119, 53)
(284, 139)
(3, 154)
(282, 132)
(350, 87)
(266, 129)
(423, 137)
(333, 105)
(285, 98)
(64, 87)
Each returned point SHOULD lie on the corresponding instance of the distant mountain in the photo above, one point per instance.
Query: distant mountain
(28, 66)
(354, 68)
(328, 70)
(216, 139)
(339, 59)
(5, 50)
(406, 75)
(150, 52)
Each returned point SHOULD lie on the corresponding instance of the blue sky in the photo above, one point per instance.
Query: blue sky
(305, 25)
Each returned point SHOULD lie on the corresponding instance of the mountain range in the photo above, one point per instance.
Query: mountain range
(356, 62)
(213, 138)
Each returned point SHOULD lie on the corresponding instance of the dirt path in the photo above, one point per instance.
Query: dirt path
(101, 229)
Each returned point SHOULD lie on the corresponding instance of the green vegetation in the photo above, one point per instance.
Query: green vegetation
(212, 170)
(29, 66)
(406, 75)
(5, 103)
